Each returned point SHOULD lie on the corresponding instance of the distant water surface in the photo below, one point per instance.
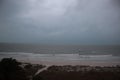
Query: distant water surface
(60, 52)
(60, 49)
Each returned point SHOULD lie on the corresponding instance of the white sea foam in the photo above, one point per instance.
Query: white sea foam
(58, 57)
(92, 56)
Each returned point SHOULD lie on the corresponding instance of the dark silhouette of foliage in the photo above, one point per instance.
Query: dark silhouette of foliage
(37, 77)
(81, 73)
(10, 70)
(31, 69)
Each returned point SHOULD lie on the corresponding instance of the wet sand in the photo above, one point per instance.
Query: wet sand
(90, 63)
(64, 59)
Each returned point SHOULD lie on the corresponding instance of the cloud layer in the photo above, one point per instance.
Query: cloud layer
(60, 21)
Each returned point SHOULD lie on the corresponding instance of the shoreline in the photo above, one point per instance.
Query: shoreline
(64, 59)
(62, 63)
(56, 71)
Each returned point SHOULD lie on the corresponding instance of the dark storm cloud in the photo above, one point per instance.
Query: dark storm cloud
(60, 21)
(116, 1)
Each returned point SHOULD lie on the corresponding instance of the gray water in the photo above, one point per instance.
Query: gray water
(61, 52)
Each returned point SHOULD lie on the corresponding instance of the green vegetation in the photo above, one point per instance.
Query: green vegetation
(69, 72)
(11, 69)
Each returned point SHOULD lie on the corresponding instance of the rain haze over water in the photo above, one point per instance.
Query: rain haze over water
(60, 29)
(60, 21)
(60, 53)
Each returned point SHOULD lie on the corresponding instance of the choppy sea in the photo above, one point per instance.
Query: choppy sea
(61, 52)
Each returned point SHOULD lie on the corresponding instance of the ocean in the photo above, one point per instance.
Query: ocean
(29, 52)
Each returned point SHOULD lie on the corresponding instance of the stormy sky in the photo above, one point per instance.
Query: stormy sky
(60, 21)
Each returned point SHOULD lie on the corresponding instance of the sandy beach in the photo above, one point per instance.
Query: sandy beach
(63, 59)
(90, 63)
(58, 70)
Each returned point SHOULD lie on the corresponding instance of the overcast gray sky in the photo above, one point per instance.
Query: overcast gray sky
(60, 21)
